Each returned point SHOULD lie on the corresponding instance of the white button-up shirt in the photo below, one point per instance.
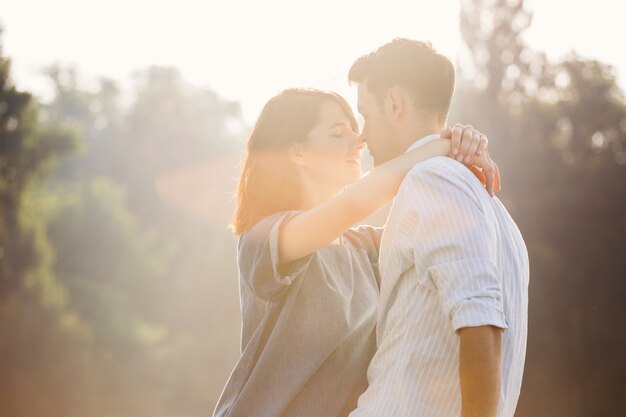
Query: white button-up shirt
(450, 257)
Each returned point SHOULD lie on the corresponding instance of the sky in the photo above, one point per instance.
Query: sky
(249, 50)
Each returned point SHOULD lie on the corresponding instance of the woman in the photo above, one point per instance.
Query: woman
(309, 283)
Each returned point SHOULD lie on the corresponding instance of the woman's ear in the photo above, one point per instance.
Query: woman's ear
(296, 154)
(394, 102)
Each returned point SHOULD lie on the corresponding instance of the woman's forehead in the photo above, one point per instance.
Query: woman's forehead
(332, 114)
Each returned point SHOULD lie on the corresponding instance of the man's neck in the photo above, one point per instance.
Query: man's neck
(417, 130)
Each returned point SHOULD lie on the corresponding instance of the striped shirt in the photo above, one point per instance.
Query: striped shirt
(451, 257)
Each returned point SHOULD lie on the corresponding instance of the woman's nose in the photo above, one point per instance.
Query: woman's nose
(357, 141)
(362, 140)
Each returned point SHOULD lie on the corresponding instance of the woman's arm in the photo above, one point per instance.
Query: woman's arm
(319, 226)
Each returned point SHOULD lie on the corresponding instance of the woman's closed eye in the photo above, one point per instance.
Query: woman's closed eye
(339, 132)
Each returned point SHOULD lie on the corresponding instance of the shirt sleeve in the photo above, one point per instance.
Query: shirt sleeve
(371, 236)
(455, 246)
(258, 258)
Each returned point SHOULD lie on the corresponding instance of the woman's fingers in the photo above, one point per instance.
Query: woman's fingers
(446, 133)
(479, 174)
(483, 145)
(466, 141)
(473, 147)
(489, 172)
(457, 134)
(469, 145)
(497, 180)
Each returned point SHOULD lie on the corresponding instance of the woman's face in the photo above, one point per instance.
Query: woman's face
(331, 156)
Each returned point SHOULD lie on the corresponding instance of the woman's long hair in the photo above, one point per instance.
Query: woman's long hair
(269, 182)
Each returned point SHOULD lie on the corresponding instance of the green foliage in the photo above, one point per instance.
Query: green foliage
(29, 151)
(34, 312)
(97, 271)
(109, 266)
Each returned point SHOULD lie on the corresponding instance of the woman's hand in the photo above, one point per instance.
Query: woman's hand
(469, 146)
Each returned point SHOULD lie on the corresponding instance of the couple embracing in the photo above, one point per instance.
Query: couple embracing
(426, 316)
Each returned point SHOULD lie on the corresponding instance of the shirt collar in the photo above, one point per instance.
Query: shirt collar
(423, 141)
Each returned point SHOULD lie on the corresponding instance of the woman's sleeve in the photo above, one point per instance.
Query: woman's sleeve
(258, 258)
(372, 238)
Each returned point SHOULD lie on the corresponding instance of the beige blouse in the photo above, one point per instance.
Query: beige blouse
(308, 330)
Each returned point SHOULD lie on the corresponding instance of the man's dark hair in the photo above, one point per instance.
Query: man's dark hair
(416, 66)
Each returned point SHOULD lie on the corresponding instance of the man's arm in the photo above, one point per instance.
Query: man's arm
(455, 249)
(480, 366)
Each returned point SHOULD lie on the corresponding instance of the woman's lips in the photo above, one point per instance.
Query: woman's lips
(354, 158)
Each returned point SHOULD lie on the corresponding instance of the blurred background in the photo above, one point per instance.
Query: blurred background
(121, 135)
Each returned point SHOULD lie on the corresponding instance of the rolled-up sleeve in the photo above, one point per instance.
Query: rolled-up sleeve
(455, 248)
(470, 293)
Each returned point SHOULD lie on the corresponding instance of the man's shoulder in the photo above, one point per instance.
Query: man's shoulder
(443, 165)
(445, 173)
(440, 169)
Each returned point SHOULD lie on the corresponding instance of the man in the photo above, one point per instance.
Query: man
(452, 319)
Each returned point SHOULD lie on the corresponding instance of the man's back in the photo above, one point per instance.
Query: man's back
(451, 257)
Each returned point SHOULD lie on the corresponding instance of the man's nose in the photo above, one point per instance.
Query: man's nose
(358, 140)
(363, 138)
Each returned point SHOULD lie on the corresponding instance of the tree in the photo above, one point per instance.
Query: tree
(32, 301)
(139, 279)
(28, 152)
(558, 133)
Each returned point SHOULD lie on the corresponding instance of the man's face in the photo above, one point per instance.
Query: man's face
(377, 129)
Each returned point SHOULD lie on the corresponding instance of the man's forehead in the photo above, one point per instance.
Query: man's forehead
(362, 95)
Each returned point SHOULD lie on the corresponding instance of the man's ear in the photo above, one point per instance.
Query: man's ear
(296, 154)
(394, 103)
